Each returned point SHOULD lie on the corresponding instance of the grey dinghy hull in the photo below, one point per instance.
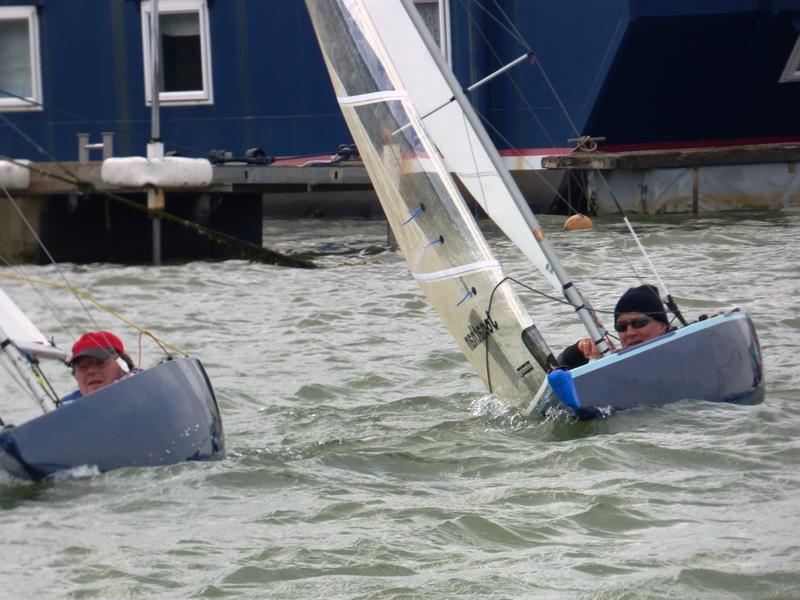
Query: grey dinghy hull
(718, 359)
(161, 416)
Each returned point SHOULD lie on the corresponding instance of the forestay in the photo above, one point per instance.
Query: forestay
(440, 240)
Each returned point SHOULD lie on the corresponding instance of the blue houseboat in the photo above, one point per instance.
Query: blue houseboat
(238, 75)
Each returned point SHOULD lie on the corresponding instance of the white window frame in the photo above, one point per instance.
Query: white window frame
(188, 98)
(29, 13)
(791, 72)
(444, 26)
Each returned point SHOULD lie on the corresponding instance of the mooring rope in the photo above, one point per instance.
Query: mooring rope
(246, 250)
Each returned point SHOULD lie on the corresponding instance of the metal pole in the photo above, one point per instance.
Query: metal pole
(155, 124)
(155, 149)
(570, 292)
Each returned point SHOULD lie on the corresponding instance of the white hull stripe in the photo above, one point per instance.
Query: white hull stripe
(459, 270)
(372, 97)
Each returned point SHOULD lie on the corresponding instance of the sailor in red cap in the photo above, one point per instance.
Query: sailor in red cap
(98, 359)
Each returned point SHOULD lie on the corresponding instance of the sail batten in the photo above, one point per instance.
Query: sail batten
(510, 210)
(434, 228)
(421, 149)
(392, 30)
(458, 270)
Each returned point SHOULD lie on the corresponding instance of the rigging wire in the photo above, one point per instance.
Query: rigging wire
(16, 378)
(132, 132)
(11, 373)
(524, 158)
(509, 26)
(38, 375)
(36, 145)
(78, 294)
(58, 270)
(535, 291)
(524, 100)
(246, 249)
(88, 119)
(611, 237)
(475, 163)
(500, 61)
(89, 298)
(54, 310)
(519, 36)
(44, 383)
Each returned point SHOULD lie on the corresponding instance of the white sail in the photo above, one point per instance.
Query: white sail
(21, 345)
(451, 133)
(440, 240)
(17, 329)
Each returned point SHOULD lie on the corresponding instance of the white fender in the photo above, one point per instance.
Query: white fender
(15, 175)
(166, 172)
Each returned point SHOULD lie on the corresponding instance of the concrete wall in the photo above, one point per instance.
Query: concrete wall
(17, 242)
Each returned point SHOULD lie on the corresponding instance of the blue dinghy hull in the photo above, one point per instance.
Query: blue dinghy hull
(163, 415)
(718, 360)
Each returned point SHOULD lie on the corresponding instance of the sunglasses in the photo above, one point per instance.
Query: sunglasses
(84, 365)
(636, 323)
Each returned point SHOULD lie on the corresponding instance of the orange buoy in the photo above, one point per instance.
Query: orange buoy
(578, 221)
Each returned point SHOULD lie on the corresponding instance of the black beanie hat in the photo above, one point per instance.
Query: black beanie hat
(642, 299)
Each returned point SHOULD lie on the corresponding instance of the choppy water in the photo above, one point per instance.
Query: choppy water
(366, 462)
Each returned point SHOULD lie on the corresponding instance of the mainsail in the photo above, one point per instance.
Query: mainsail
(441, 242)
(424, 76)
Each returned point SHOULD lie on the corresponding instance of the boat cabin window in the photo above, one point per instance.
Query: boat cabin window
(20, 62)
(184, 52)
(791, 72)
(436, 15)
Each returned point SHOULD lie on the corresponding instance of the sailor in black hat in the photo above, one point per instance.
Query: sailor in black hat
(639, 317)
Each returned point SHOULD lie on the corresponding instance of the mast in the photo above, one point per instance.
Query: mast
(155, 148)
(362, 42)
(570, 291)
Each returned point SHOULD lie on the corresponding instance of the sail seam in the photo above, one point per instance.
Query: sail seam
(372, 97)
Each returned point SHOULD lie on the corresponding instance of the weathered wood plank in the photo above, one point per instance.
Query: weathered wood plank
(664, 159)
(54, 178)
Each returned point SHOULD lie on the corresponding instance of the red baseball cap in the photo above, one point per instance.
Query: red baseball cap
(97, 344)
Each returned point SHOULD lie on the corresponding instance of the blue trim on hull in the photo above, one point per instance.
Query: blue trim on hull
(161, 416)
(717, 360)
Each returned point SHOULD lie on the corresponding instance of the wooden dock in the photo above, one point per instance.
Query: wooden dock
(56, 178)
(91, 222)
(80, 218)
(694, 180)
(675, 158)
